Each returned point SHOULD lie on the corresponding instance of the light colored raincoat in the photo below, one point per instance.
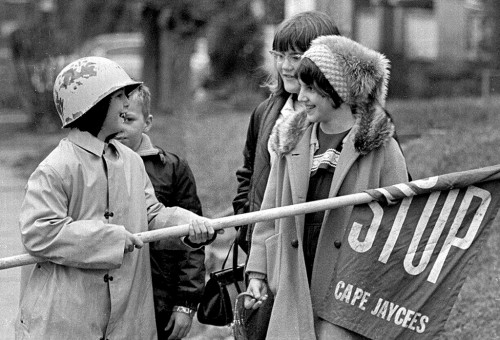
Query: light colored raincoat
(78, 203)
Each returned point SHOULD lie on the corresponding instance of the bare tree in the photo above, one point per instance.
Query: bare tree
(171, 29)
(491, 41)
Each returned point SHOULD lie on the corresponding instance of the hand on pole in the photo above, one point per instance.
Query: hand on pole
(131, 242)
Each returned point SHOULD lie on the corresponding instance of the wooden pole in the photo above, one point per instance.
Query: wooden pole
(222, 223)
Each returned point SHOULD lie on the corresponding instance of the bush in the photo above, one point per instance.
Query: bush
(242, 57)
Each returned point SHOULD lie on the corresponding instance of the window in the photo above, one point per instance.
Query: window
(421, 34)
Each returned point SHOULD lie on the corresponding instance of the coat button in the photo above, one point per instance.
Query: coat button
(337, 244)
(295, 243)
(108, 214)
(108, 278)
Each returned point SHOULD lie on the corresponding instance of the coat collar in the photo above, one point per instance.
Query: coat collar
(86, 141)
(300, 161)
(373, 127)
(146, 148)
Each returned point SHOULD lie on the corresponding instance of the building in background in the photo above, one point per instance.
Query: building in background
(437, 47)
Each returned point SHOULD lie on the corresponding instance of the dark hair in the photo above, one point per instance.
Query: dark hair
(92, 120)
(311, 75)
(296, 33)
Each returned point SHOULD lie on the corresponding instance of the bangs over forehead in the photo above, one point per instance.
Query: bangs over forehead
(297, 33)
(311, 75)
(291, 41)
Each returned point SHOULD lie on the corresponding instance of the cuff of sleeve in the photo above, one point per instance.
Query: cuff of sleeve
(185, 310)
(191, 304)
(193, 245)
(255, 275)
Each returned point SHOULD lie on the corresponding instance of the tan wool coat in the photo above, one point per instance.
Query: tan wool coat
(277, 245)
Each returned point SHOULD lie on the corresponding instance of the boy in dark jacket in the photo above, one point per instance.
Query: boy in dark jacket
(178, 275)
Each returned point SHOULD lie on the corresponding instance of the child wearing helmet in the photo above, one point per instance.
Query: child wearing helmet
(83, 206)
(178, 275)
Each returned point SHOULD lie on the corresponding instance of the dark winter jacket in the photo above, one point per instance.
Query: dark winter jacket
(178, 276)
(252, 176)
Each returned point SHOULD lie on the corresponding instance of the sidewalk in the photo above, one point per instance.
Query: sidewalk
(11, 194)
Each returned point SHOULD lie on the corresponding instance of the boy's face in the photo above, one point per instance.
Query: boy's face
(117, 109)
(134, 124)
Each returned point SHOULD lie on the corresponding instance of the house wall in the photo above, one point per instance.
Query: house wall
(295, 6)
(431, 48)
(342, 11)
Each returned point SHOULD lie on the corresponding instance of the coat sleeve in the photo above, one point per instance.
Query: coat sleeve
(160, 217)
(394, 168)
(48, 232)
(188, 276)
(244, 174)
(257, 259)
(191, 278)
(186, 195)
(192, 263)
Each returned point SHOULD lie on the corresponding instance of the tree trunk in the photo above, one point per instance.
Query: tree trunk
(493, 11)
(151, 54)
(175, 91)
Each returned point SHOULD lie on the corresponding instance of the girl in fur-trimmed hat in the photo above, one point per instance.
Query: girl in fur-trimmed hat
(292, 38)
(342, 143)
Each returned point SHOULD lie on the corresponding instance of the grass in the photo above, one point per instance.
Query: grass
(455, 135)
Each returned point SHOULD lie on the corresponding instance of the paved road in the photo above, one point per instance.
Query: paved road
(11, 194)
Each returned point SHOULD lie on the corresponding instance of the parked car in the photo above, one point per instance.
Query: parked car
(123, 48)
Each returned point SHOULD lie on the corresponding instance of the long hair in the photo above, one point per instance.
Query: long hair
(311, 75)
(296, 34)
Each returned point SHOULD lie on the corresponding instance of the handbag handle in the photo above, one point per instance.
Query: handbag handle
(235, 251)
(233, 246)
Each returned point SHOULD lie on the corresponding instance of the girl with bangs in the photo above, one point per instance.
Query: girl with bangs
(341, 142)
(291, 40)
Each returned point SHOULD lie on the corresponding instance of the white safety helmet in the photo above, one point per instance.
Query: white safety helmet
(84, 82)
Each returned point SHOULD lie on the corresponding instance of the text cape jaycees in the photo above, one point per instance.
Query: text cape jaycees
(383, 309)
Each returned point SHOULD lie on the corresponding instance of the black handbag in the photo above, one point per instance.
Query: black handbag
(215, 307)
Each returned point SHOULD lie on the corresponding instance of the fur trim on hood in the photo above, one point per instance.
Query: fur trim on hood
(372, 129)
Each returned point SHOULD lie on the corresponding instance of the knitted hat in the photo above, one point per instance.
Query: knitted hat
(354, 71)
